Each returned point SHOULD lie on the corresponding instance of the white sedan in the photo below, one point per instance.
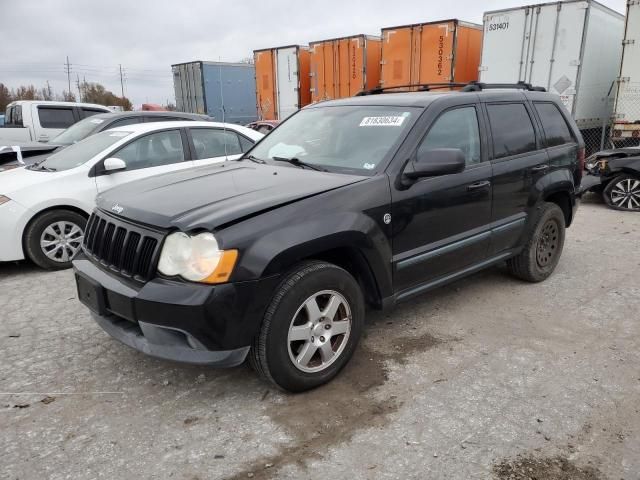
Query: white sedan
(44, 207)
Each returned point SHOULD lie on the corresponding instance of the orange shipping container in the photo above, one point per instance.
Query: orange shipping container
(436, 52)
(342, 67)
(282, 81)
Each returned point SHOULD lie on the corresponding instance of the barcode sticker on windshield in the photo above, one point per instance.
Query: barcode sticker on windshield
(388, 121)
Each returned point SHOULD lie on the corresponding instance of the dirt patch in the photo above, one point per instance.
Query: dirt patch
(332, 414)
(555, 468)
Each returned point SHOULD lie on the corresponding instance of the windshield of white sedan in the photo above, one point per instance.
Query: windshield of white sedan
(81, 152)
(349, 139)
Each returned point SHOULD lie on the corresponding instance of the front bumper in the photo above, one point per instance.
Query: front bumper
(179, 321)
(13, 220)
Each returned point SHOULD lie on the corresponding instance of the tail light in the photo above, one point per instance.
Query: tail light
(581, 161)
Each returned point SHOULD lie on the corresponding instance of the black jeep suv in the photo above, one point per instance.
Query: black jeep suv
(369, 200)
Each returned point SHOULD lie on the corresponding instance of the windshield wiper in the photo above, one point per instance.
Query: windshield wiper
(299, 163)
(252, 158)
(39, 166)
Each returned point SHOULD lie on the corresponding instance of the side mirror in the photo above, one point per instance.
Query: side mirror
(435, 162)
(114, 164)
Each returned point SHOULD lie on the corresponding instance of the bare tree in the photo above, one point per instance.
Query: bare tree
(28, 92)
(5, 97)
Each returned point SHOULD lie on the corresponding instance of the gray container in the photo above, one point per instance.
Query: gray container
(571, 48)
(224, 91)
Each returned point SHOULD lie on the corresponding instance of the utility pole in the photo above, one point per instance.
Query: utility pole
(67, 67)
(78, 85)
(121, 82)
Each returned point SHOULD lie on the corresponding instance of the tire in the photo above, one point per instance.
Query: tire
(543, 246)
(623, 193)
(53, 238)
(279, 345)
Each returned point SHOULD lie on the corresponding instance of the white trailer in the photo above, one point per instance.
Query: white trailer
(571, 48)
(626, 122)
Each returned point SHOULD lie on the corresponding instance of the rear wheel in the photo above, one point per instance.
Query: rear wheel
(623, 193)
(310, 329)
(53, 238)
(543, 248)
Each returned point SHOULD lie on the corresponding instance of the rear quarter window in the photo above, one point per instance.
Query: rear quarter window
(512, 129)
(555, 127)
(56, 117)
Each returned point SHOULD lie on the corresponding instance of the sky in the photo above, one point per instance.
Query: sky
(147, 36)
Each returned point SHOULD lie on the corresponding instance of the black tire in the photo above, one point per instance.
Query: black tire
(272, 351)
(613, 193)
(543, 246)
(34, 233)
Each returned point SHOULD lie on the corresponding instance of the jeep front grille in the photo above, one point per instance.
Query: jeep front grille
(122, 247)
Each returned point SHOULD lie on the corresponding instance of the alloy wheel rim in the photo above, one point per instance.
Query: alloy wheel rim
(626, 194)
(548, 242)
(319, 331)
(60, 241)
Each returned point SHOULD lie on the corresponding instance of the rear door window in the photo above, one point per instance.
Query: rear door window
(56, 117)
(512, 129)
(211, 143)
(555, 127)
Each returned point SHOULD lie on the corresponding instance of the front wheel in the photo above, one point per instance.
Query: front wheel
(53, 238)
(310, 329)
(543, 247)
(623, 193)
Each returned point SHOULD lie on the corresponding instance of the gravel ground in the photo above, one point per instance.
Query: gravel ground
(489, 377)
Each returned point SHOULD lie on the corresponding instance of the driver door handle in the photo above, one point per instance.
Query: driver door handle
(540, 168)
(478, 185)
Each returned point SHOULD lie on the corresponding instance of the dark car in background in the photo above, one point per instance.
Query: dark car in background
(35, 151)
(264, 126)
(616, 175)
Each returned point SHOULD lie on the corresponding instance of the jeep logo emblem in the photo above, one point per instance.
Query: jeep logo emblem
(117, 208)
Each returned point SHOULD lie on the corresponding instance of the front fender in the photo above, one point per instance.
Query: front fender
(275, 252)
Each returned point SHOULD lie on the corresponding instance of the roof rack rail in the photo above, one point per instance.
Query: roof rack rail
(465, 87)
(421, 87)
(479, 86)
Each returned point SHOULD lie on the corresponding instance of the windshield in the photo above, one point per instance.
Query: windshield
(345, 139)
(83, 151)
(78, 131)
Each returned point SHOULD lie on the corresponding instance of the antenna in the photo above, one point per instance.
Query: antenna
(224, 124)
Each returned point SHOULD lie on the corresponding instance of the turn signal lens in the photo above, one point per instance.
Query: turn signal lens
(224, 269)
(4, 199)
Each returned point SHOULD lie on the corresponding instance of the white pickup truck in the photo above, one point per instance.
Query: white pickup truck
(36, 120)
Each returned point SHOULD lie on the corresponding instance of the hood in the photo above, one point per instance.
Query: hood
(21, 178)
(208, 197)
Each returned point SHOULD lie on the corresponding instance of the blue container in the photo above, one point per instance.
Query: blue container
(224, 91)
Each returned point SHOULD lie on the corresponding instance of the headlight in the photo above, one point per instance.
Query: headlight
(4, 199)
(196, 258)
